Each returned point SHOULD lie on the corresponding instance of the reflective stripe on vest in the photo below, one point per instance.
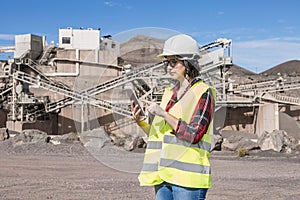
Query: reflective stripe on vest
(170, 159)
(185, 166)
(174, 140)
(154, 144)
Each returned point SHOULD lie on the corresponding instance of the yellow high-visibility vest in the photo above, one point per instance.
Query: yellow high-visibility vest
(170, 159)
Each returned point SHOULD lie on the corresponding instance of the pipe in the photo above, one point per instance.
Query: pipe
(86, 62)
(77, 67)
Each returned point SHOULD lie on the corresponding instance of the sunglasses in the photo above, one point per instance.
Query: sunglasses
(171, 62)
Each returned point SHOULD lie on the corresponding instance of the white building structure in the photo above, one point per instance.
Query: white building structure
(28, 45)
(70, 38)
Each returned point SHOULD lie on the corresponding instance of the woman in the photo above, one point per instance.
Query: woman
(176, 159)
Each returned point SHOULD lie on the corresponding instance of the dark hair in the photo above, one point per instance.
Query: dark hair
(191, 68)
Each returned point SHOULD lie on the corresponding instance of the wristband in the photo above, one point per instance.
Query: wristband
(142, 124)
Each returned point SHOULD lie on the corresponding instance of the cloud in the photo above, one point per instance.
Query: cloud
(7, 37)
(260, 55)
(289, 29)
(111, 4)
(236, 34)
(116, 4)
(291, 39)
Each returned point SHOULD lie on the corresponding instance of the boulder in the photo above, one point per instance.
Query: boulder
(234, 140)
(217, 141)
(4, 135)
(31, 136)
(278, 141)
(134, 143)
(95, 139)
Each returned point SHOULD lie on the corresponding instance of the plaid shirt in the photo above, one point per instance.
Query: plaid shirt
(200, 120)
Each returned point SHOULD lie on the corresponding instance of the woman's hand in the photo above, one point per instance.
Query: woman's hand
(154, 108)
(136, 112)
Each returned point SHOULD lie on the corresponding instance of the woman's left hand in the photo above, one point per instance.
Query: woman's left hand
(154, 108)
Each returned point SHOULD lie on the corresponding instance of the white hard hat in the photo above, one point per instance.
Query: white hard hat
(181, 45)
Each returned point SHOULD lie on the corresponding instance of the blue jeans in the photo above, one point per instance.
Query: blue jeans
(167, 191)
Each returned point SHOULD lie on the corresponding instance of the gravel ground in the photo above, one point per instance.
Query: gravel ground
(71, 171)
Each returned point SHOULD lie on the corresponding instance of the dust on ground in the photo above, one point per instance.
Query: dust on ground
(70, 171)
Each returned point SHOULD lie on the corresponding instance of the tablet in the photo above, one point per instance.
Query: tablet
(132, 95)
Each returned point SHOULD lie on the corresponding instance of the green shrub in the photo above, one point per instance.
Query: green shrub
(243, 152)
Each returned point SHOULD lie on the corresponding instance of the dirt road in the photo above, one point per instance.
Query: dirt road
(71, 172)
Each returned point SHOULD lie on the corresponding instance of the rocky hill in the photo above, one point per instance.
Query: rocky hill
(240, 71)
(242, 75)
(141, 50)
(289, 68)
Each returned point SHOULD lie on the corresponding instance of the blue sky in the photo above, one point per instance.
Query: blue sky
(264, 33)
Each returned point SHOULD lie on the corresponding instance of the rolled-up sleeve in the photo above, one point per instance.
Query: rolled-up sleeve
(202, 116)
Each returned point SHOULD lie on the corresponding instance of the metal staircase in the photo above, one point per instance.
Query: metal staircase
(83, 97)
(267, 90)
(281, 99)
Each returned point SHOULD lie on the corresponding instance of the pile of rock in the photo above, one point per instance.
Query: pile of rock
(234, 140)
(34, 136)
(241, 142)
(278, 141)
(98, 138)
(30, 137)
